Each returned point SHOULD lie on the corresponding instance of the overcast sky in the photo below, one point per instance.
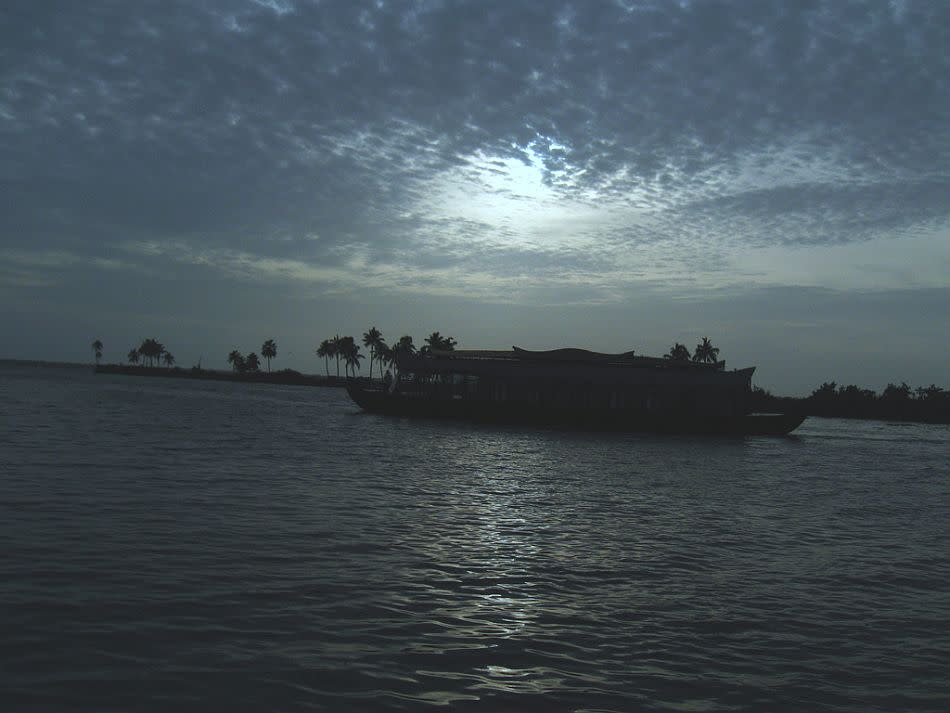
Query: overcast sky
(604, 174)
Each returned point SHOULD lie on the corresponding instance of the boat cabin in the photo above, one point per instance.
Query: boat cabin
(575, 379)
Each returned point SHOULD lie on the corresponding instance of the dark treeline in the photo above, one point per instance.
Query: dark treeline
(251, 363)
(282, 376)
(897, 402)
(146, 360)
(347, 351)
(704, 353)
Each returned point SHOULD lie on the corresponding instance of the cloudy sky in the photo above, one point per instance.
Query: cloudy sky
(610, 174)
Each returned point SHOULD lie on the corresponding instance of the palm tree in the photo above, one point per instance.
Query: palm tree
(347, 345)
(169, 359)
(378, 355)
(252, 362)
(133, 356)
(157, 349)
(437, 341)
(152, 350)
(236, 360)
(678, 352)
(269, 351)
(352, 357)
(892, 392)
(825, 392)
(387, 355)
(97, 350)
(325, 350)
(336, 345)
(932, 392)
(431, 342)
(706, 353)
(373, 339)
(405, 345)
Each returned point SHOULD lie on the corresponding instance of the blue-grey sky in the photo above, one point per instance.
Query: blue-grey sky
(606, 174)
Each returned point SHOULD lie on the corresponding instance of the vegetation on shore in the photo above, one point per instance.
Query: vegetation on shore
(151, 351)
(282, 376)
(705, 352)
(251, 363)
(897, 402)
(346, 349)
(147, 358)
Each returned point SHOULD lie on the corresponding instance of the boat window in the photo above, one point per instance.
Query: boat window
(471, 384)
(587, 394)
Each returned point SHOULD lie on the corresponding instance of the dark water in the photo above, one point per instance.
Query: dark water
(171, 545)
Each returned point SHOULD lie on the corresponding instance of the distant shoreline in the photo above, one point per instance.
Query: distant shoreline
(910, 411)
(284, 376)
(905, 411)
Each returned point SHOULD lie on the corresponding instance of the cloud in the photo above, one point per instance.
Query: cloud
(508, 151)
(249, 120)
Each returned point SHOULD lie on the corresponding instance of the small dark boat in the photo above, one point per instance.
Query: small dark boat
(573, 388)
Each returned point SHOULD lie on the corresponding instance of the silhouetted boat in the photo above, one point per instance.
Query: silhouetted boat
(573, 388)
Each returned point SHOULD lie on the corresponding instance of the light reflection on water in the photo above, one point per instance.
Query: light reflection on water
(197, 545)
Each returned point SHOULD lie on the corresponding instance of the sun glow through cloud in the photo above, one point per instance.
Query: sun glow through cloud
(516, 205)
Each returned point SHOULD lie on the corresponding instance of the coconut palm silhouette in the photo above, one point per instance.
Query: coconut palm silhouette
(336, 351)
(352, 358)
(236, 360)
(349, 353)
(437, 341)
(706, 353)
(678, 352)
(152, 350)
(387, 356)
(269, 351)
(325, 350)
(405, 345)
(373, 339)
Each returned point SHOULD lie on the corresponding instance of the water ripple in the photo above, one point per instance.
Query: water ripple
(209, 546)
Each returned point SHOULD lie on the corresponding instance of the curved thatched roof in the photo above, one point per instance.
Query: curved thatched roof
(571, 355)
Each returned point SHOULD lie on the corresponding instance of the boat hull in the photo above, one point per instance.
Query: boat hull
(512, 412)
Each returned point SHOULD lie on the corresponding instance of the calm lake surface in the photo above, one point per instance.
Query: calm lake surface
(170, 545)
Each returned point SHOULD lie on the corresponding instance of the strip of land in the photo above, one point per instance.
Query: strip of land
(848, 402)
(284, 376)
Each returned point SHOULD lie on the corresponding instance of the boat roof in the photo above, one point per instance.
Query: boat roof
(572, 355)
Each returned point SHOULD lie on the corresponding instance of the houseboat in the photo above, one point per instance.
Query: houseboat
(572, 388)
